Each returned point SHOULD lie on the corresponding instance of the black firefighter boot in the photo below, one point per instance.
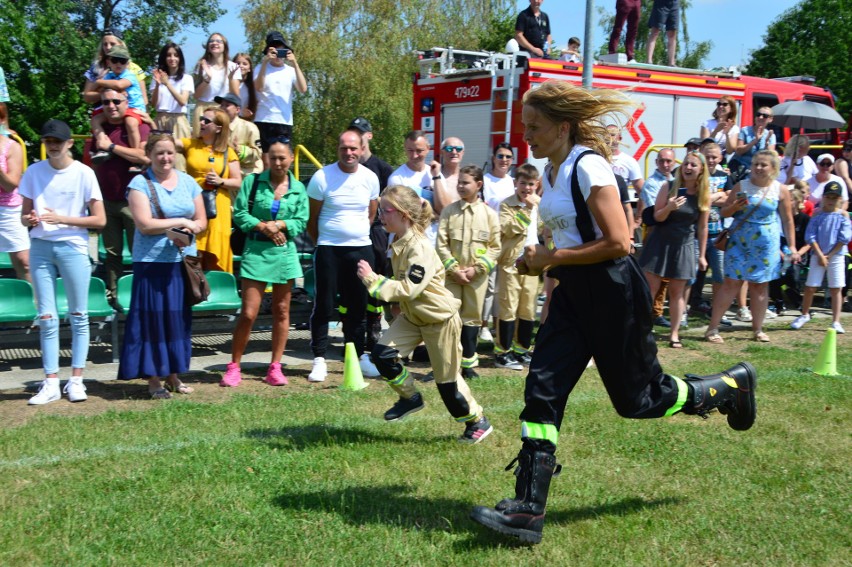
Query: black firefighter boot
(523, 516)
(731, 392)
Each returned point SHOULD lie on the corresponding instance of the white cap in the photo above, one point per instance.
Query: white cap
(829, 157)
(512, 46)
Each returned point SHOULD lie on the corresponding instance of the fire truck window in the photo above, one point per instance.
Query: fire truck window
(770, 101)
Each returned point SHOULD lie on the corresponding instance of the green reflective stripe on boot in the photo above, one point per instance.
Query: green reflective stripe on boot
(374, 308)
(342, 309)
(399, 380)
(471, 362)
(682, 391)
(544, 431)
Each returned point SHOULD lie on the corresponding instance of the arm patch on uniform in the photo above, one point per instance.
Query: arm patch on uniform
(416, 273)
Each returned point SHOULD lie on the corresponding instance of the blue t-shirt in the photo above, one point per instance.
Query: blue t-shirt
(179, 202)
(134, 91)
(747, 135)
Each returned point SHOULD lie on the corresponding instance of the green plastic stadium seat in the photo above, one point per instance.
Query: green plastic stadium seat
(98, 307)
(126, 256)
(223, 293)
(17, 301)
(125, 288)
(5, 261)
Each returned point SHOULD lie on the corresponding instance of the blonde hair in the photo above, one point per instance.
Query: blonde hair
(702, 183)
(220, 118)
(774, 159)
(794, 143)
(582, 109)
(798, 194)
(410, 206)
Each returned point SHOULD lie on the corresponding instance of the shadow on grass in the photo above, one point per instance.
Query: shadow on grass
(306, 436)
(395, 505)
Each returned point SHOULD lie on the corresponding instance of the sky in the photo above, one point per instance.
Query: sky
(735, 26)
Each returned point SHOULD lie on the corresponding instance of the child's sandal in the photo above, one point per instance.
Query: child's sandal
(713, 336)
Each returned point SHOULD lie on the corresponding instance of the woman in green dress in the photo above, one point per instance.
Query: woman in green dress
(272, 209)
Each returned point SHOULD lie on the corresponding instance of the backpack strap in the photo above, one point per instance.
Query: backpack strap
(584, 216)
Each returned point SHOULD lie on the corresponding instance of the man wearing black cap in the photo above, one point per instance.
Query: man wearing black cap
(274, 80)
(378, 235)
(245, 138)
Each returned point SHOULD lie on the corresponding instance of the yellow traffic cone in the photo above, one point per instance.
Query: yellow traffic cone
(826, 362)
(352, 377)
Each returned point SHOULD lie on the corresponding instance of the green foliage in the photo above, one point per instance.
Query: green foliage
(49, 44)
(500, 29)
(813, 38)
(690, 54)
(359, 59)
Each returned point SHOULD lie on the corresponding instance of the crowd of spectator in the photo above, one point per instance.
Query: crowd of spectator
(226, 173)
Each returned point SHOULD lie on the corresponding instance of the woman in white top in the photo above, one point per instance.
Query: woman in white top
(803, 168)
(723, 126)
(170, 92)
(215, 75)
(248, 94)
(601, 307)
(62, 201)
(498, 185)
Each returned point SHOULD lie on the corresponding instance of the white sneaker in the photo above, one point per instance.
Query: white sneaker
(800, 321)
(744, 315)
(838, 327)
(770, 314)
(631, 62)
(49, 392)
(485, 335)
(76, 390)
(368, 369)
(319, 370)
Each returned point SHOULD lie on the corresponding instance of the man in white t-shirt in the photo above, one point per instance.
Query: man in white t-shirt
(417, 175)
(343, 199)
(452, 157)
(274, 80)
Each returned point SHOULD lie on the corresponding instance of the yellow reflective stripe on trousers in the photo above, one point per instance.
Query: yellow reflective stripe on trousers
(545, 431)
(399, 380)
(682, 391)
(466, 418)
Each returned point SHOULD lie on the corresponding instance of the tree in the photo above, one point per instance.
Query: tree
(693, 54)
(359, 59)
(813, 38)
(49, 44)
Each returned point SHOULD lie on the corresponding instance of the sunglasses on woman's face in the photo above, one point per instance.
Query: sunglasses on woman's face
(722, 104)
(204, 120)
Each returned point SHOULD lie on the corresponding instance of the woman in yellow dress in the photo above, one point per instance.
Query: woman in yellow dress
(215, 167)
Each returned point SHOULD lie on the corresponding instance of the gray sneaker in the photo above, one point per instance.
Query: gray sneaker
(800, 321)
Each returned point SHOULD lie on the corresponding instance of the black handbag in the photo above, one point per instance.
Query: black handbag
(209, 195)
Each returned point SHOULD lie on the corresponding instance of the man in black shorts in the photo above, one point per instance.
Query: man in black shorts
(664, 13)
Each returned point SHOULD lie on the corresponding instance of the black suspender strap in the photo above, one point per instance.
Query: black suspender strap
(584, 216)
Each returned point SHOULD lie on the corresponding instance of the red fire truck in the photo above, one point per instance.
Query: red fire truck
(465, 94)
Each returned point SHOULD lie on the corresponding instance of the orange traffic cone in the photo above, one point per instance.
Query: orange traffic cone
(352, 377)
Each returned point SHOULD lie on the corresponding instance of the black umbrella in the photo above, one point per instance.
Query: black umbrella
(797, 114)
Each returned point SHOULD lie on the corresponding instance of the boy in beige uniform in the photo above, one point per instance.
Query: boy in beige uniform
(516, 293)
(429, 313)
(468, 245)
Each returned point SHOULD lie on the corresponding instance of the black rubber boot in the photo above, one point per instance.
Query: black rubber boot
(731, 392)
(523, 516)
(505, 332)
(374, 329)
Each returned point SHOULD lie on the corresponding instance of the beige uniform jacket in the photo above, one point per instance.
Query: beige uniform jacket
(515, 219)
(418, 282)
(246, 137)
(469, 235)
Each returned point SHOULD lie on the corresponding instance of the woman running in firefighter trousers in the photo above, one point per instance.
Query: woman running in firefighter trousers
(601, 307)
(430, 314)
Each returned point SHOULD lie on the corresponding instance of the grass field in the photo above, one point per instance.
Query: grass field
(311, 475)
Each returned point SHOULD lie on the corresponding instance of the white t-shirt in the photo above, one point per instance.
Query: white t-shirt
(804, 169)
(495, 189)
(557, 206)
(275, 101)
(720, 137)
(626, 167)
(817, 188)
(532, 229)
(345, 216)
(219, 81)
(165, 101)
(65, 191)
(420, 181)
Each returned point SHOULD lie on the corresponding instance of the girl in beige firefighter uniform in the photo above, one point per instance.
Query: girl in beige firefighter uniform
(468, 245)
(430, 314)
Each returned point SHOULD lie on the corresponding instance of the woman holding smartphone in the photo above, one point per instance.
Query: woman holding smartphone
(158, 330)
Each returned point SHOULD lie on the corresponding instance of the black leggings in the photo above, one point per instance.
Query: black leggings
(335, 270)
(601, 310)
